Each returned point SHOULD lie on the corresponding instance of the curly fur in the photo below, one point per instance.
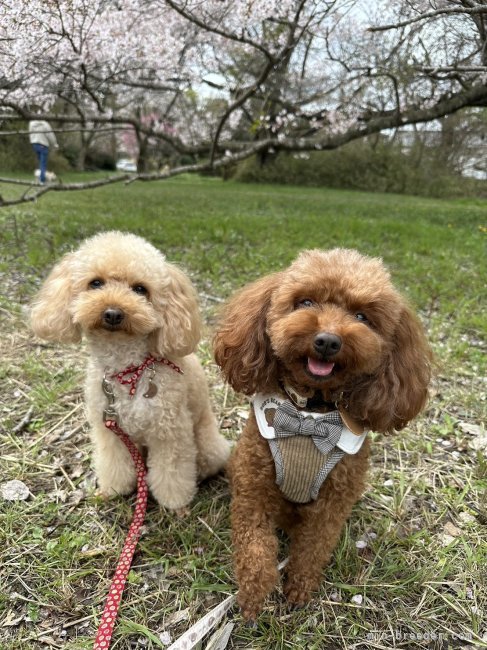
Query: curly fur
(176, 427)
(380, 375)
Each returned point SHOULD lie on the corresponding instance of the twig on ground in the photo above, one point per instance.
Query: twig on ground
(24, 422)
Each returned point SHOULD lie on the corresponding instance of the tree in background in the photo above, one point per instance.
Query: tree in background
(227, 80)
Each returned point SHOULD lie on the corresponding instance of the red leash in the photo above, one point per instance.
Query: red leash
(105, 629)
(130, 376)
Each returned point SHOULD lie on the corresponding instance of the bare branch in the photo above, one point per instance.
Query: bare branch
(454, 68)
(57, 187)
(239, 102)
(472, 11)
(127, 178)
(474, 96)
(207, 28)
(73, 130)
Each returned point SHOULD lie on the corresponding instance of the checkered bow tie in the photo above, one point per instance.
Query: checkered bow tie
(325, 429)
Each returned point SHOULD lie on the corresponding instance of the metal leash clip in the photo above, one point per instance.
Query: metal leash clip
(110, 412)
(151, 388)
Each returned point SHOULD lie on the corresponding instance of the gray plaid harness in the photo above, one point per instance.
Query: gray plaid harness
(305, 446)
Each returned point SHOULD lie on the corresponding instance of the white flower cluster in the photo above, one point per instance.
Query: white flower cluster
(302, 67)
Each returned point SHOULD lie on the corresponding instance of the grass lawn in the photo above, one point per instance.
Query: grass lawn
(423, 573)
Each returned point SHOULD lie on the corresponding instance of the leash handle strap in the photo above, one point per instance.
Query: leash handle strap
(105, 629)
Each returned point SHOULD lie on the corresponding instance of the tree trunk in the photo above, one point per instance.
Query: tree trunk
(81, 157)
(143, 158)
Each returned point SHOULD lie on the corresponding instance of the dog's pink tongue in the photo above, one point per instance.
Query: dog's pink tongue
(321, 368)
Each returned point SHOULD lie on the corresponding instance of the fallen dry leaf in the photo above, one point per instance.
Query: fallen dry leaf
(14, 491)
(452, 530)
(177, 617)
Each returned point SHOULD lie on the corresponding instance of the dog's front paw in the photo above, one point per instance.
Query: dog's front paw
(298, 591)
(249, 609)
(112, 485)
(174, 495)
(215, 459)
(103, 495)
(176, 502)
(183, 513)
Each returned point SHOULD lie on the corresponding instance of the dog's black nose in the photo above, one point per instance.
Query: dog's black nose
(327, 344)
(113, 316)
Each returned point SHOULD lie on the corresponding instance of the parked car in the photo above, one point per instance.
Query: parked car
(126, 165)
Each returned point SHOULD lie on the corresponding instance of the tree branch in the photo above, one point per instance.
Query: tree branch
(214, 30)
(472, 11)
(475, 96)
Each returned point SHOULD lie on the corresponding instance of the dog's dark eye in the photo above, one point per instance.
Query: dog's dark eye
(361, 317)
(140, 289)
(305, 303)
(96, 284)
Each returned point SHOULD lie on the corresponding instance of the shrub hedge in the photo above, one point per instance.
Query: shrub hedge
(360, 166)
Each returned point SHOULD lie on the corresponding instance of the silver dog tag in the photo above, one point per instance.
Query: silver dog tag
(151, 390)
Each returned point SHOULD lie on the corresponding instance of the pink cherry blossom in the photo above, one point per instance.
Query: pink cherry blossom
(204, 78)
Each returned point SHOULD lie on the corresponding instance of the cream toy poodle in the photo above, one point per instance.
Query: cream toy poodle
(139, 316)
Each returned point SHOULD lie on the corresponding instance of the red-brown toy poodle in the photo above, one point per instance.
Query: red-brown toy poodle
(329, 350)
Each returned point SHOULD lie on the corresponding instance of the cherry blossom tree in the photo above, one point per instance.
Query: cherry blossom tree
(217, 81)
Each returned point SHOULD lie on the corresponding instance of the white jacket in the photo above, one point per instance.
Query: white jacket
(40, 132)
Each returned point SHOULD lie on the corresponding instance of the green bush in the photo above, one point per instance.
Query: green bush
(57, 162)
(71, 153)
(15, 150)
(102, 160)
(360, 166)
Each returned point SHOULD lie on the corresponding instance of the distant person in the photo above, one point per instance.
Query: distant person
(42, 137)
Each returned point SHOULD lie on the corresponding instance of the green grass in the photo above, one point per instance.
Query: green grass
(58, 549)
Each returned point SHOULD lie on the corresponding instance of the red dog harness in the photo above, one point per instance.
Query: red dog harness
(129, 376)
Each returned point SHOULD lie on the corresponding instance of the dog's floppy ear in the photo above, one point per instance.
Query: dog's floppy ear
(50, 314)
(400, 388)
(411, 360)
(242, 346)
(179, 319)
